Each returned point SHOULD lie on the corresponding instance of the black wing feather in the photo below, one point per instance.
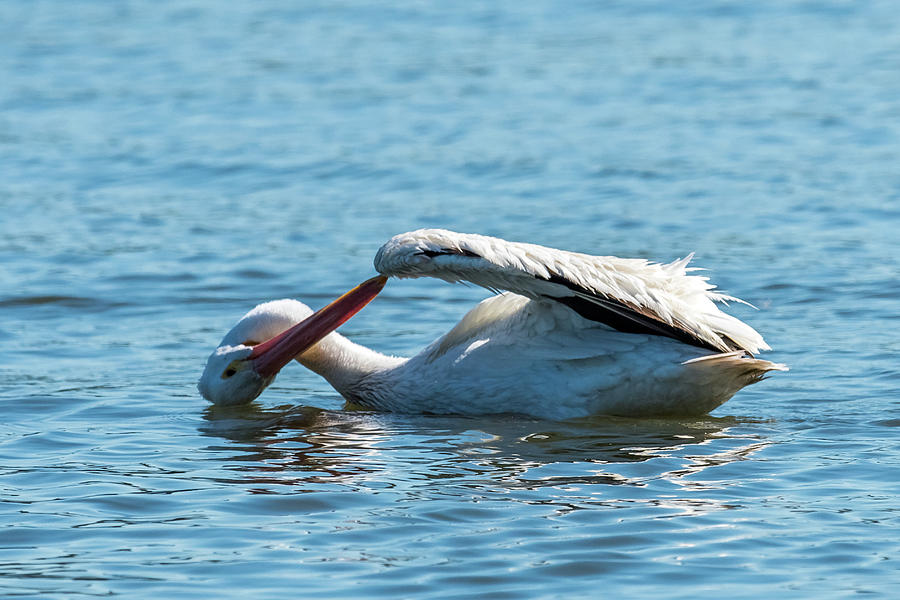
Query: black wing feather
(624, 317)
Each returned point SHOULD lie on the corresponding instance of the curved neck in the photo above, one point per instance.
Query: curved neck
(344, 363)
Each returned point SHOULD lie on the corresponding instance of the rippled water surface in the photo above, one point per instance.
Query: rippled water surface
(164, 166)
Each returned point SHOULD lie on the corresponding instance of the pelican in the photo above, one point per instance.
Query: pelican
(567, 335)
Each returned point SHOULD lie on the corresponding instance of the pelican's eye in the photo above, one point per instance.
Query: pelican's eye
(231, 369)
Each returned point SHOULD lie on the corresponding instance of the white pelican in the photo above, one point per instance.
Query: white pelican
(572, 335)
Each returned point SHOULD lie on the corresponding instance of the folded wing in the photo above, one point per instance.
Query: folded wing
(629, 295)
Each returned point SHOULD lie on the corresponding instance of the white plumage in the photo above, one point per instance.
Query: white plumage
(665, 290)
(573, 335)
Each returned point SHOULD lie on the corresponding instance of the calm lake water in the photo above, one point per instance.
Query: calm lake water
(164, 166)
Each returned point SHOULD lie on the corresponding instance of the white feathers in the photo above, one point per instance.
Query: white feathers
(265, 321)
(574, 335)
(663, 292)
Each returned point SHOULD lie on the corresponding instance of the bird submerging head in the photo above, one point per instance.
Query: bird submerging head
(567, 335)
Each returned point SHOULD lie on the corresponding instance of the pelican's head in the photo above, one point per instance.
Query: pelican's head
(268, 337)
(229, 377)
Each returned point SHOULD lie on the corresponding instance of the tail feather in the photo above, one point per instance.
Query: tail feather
(736, 366)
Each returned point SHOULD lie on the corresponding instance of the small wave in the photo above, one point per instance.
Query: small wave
(71, 301)
(66, 301)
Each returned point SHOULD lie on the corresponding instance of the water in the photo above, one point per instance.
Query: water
(166, 165)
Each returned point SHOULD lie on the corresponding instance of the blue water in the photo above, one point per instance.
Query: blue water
(164, 166)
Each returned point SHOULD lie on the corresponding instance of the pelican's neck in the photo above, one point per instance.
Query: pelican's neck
(344, 363)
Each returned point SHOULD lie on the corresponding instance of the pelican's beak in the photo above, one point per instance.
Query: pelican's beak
(271, 356)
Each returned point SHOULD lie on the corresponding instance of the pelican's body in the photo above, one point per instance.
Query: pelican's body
(574, 335)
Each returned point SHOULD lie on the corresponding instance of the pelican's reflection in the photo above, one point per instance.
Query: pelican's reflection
(306, 445)
(294, 444)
